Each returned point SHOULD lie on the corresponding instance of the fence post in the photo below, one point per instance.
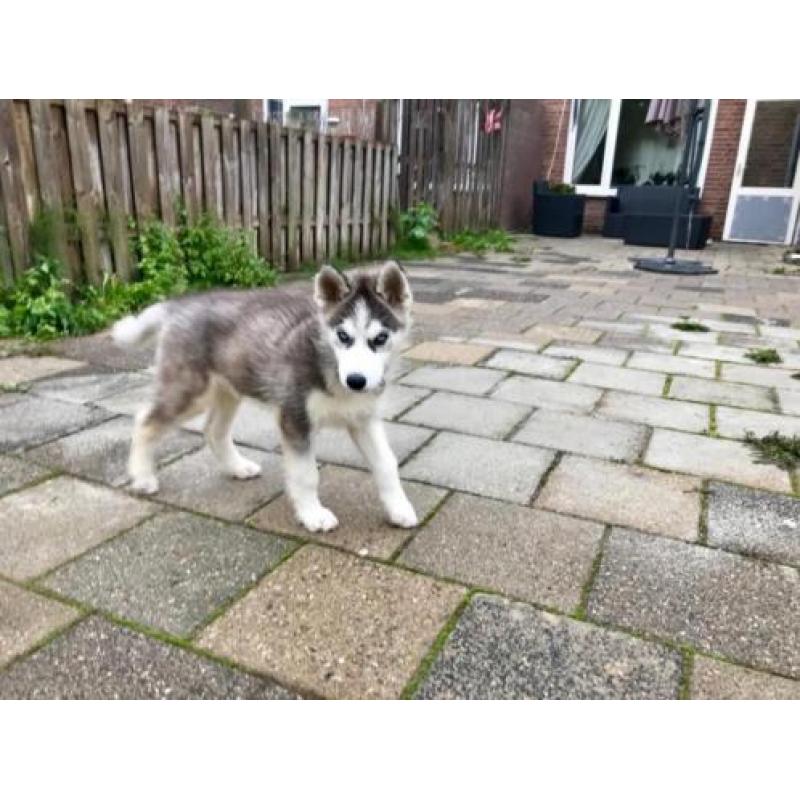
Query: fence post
(85, 198)
(13, 197)
(112, 186)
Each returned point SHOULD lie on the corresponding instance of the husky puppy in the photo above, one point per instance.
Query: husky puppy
(317, 361)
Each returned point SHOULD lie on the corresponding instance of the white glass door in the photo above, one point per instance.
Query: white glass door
(765, 194)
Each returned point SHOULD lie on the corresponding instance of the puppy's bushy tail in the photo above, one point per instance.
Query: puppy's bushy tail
(133, 330)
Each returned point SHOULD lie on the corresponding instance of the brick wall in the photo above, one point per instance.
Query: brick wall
(722, 162)
(554, 140)
(247, 109)
(356, 117)
(522, 163)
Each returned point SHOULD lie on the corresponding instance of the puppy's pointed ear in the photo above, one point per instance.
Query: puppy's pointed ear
(330, 287)
(393, 285)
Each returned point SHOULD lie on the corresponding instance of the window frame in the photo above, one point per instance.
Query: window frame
(604, 188)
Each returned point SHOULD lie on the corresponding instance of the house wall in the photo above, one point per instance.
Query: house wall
(247, 109)
(719, 174)
(722, 163)
(356, 117)
(521, 163)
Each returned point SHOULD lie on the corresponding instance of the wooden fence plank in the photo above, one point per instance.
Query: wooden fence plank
(49, 183)
(358, 197)
(164, 166)
(13, 196)
(293, 189)
(277, 209)
(320, 240)
(27, 165)
(380, 198)
(189, 167)
(6, 264)
(230, 196)
(334, 197)
(387, 207)
(85, 198)
(263, 191)
(211, 167)
(113, 188)
(347, 199)
(307, 196)
(369, 156)
(246, 171)
(137, 137)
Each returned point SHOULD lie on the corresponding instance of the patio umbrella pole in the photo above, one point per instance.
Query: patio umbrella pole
(669, 263)
(689, 125)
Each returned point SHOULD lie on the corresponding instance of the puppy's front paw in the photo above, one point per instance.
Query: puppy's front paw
(244, 469)
(401, 513)
(317, 519)
(147, 484)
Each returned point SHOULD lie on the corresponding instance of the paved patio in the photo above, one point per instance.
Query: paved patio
(594, 526)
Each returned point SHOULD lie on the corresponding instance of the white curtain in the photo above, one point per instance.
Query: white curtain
(592, 121)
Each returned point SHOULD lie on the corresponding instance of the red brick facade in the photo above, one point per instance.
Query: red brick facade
(356, 117)
(249, 109)
(722, 162)
(719, 173)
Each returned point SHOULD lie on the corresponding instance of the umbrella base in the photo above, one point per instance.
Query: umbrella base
(673, 266)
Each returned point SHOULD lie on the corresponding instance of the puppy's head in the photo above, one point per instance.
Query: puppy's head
(365, 320)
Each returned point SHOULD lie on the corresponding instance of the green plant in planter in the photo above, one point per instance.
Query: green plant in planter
(562, 188)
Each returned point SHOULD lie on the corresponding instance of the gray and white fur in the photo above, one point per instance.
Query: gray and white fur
(317, 361)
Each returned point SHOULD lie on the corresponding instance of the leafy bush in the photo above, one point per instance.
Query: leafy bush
(416, 226)
(38, 305)
(43, 304)
(562, 188)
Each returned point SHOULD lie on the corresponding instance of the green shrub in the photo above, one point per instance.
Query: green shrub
(416, 226)
(562, 188)
(43, 304)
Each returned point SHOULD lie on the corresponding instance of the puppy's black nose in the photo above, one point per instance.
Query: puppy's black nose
(356, 381)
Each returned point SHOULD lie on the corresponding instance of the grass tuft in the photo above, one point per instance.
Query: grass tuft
(764, 355)
(782, 451)
(687, 324)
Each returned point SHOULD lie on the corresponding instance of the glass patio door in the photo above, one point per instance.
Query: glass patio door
(765, 194)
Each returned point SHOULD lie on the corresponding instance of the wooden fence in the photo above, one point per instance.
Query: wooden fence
(96, 166)
(448, 159)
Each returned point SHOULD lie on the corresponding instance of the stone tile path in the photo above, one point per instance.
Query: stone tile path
(593, 524)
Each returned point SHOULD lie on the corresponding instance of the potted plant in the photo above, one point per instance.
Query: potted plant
(557, 210)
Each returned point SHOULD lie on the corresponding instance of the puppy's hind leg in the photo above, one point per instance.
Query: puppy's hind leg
(370, 438)
(147, 430)
(173, 403)
(222, 409)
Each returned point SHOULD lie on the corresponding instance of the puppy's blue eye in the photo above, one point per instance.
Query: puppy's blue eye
(344, 337)
(380, 339)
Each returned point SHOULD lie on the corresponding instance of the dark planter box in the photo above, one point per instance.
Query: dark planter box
(556, 214)
(653, 230)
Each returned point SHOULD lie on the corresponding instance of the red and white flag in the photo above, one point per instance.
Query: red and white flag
(492, 120)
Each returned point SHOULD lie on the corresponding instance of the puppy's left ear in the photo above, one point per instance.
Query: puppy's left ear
(393, 285)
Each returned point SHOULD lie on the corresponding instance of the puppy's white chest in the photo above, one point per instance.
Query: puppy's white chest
(325, 410)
